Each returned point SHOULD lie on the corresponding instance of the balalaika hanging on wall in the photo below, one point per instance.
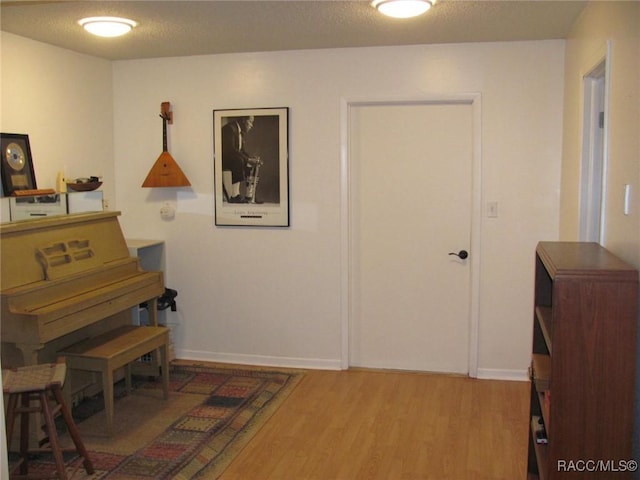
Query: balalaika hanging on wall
(166, 172)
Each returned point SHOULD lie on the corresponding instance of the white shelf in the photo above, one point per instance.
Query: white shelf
(151, 255)
(152, 258)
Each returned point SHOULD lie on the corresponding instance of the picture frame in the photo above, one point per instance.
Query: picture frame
(16, 164)
(251, 167)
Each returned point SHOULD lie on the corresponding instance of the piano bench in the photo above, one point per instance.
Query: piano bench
(115, 349)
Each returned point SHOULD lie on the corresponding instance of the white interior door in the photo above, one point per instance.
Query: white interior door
(410, 206)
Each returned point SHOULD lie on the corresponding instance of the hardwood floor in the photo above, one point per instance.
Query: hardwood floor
(361, 424)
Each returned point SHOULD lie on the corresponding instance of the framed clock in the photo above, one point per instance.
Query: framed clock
(16, 163)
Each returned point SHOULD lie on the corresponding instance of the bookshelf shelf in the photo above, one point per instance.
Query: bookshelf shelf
(544, 316)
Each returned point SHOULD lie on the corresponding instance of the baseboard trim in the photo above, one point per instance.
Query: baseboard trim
(260, 360)
(321, 364)
(501, 374)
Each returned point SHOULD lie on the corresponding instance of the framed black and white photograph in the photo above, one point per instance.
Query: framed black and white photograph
(17, 164)
(251, 167)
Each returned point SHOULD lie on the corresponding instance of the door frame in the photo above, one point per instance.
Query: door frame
(594, 161)
(473, 99)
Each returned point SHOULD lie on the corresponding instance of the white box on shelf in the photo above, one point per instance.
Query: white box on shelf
(5, 211)
(38, 206)
(84, 201)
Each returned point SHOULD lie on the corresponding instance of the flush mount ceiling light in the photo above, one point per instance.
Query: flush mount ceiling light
(402, 8)
(107, 26)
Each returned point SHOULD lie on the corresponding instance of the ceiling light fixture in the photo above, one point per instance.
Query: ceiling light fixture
(107, 26)
(402, 8)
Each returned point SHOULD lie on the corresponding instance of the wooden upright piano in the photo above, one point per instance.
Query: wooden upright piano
(61, 277)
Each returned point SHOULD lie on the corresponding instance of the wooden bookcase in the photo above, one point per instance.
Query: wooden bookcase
(583, 363)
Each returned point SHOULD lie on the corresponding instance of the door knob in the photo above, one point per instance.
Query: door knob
(462, 254)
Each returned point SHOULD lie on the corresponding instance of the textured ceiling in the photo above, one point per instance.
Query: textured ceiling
(178, 28)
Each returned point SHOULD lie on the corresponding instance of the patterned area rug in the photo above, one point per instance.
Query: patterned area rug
(212, 413)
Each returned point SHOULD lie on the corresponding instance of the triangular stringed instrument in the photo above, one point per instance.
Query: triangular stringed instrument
(166, 172)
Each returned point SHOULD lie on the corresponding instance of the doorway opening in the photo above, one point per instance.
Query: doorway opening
(594, 155)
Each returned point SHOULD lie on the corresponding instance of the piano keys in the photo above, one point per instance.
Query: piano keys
(60, 275)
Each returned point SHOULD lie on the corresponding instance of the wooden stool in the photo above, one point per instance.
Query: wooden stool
(38, 382)
(115, 349)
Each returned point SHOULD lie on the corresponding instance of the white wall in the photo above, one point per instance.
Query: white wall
(275, 295)
(63, 101)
